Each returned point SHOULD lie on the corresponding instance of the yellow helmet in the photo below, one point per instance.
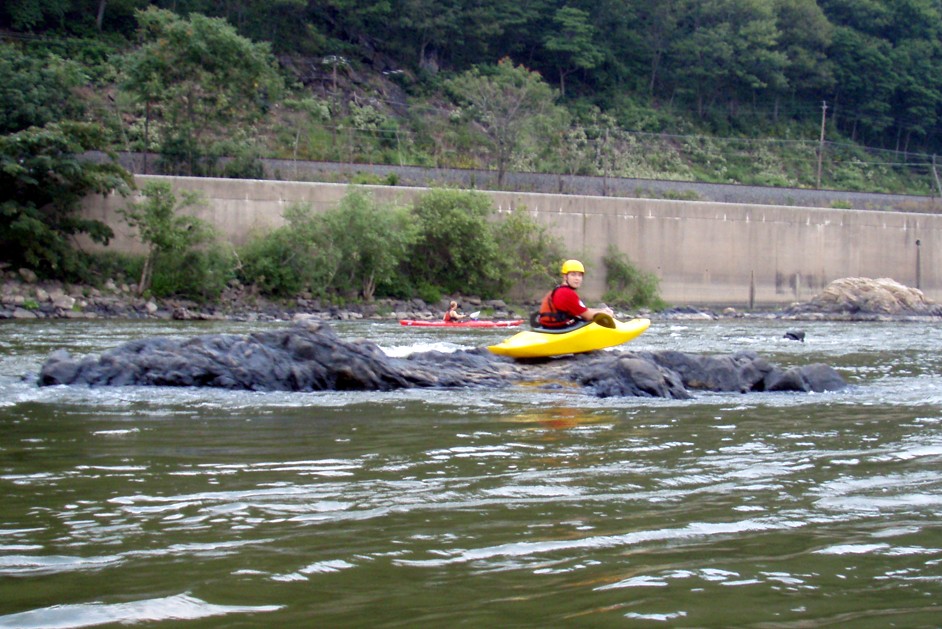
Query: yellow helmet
(572, 265)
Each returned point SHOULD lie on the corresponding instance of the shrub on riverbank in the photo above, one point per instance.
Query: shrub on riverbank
(184, 255)
(445, 243)
(628, 286)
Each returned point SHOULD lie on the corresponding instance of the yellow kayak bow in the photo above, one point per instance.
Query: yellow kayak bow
(602, 332)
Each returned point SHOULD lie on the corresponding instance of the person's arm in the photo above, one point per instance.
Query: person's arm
(590, 313)
(569, 302)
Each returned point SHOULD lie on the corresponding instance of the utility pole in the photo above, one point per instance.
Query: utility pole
(824, 109)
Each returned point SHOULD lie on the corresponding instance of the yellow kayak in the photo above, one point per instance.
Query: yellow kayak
(602, 332)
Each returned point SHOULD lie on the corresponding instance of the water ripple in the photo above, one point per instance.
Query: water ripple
(178, 607)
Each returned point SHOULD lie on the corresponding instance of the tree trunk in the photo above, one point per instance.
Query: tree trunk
(369, 288)
(101, 13)
(146, 274)
(655, 64)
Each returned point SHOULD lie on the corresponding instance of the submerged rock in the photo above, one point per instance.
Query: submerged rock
(311, 357)
(795, 335)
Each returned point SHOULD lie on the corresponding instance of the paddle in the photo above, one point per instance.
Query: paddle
(604, 320)
(474, 315)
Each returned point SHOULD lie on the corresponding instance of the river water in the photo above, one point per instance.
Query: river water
(525, 506)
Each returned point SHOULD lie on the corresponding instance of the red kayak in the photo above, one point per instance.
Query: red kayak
(431, 323)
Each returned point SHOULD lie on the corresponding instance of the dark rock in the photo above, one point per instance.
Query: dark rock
(629, 375)
(743, 371)
(808, 378)
(795, 335)
(310, 357)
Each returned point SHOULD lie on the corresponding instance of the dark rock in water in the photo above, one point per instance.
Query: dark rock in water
(795, 335)
(302, 358)
(311, 357)
(738, 372)
(809, 378)
(630, 375)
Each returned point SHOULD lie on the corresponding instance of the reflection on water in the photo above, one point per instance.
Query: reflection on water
(525, 506)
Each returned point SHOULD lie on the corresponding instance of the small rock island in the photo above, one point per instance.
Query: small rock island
(310, 356)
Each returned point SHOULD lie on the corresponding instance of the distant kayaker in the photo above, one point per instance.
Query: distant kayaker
(562, 306)
(452, 313)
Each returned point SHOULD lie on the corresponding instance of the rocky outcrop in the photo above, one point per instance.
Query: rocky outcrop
(310, 357)
(869, 298)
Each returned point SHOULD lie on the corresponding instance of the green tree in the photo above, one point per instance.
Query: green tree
(43, 181)
(864, 82)
(290, 258)
(529, 254)
(505, 101)
(918, 95)
(805, 35)
(286, 24)
(573, 40)
(26, 15)
(35, 91)
(201, 78)
(657, 26)
(916, 33)
(168, 234)
(629, 286)
(455, 249)
(353, 249)
(728, 49)
(370, 242)
(431, 25)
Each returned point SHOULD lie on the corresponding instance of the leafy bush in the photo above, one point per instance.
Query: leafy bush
(444, 244)
(291, 258)
(529, 254)
(201, 274)
(348, 251)
(455, 249)
(35, 91)
(273, 263)
(172, 241)
(100, 266)
(370, 243)
(627, 285)
(428, 293)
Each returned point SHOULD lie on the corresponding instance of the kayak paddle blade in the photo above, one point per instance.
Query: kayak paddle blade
(604, 320)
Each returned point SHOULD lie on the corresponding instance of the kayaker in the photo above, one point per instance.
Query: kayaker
(562, 306)
(452, 313)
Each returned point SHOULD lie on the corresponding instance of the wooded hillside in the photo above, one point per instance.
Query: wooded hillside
(740, 91)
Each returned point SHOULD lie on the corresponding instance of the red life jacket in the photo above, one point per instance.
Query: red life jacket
(549, 316)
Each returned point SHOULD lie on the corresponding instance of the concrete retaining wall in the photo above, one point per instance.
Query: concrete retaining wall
(704, 253)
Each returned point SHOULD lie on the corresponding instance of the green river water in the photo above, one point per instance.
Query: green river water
(514, 507)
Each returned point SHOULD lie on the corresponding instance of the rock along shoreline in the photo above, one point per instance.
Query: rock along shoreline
(25, 298)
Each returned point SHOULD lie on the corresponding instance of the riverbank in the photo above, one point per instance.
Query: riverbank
(24, 297)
